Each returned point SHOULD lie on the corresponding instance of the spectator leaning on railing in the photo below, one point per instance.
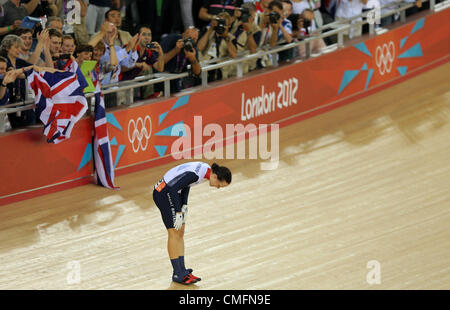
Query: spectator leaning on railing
(151, 56)
(181, 55)
(10, 49)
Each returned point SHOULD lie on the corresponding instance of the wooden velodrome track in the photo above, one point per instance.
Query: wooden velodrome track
(368, 181)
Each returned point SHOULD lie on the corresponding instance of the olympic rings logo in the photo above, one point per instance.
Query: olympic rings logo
(384, 57)
(139, 131)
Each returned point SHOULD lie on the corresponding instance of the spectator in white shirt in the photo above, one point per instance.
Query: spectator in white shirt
(347, 9)
(391, 18)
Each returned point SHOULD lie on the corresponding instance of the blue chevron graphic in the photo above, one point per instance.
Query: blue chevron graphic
(162, 117)
(419, 25)
(364, 67)
(402, 70)
(403, 41)
(119, 154)
(415, 51)
(110, 118)
(114, 141)
(363, 48)
(349, 75)
(369, 77)
(161, 149)
(87, 156)
(181, 102)
(176, 130)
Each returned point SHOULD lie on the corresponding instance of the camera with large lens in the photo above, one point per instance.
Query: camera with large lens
(245, 15)
(221, 26)
(274, 17)
(188, 45)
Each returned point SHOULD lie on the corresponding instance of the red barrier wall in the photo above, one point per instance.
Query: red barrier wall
(142, 136)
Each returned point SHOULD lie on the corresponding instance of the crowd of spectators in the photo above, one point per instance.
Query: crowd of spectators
(124, 39)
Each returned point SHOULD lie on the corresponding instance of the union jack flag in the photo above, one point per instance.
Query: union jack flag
(59, 100)
(103, 164)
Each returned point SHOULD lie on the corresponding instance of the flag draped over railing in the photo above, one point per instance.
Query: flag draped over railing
(60, 103)
(103, 164)
(59, 100)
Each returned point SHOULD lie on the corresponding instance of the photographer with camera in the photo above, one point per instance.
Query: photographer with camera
(216, 43)
(244, 25)
(275, 27)
(181, 55)
(150, 56)
(306, 27)
(275, 30)
(211, 8)
(247, 35)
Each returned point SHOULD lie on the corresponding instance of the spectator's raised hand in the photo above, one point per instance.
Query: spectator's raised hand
(106, 27)
(11, 76)
(133, 42)
(16, 24)
(111, 36)
(42, 36)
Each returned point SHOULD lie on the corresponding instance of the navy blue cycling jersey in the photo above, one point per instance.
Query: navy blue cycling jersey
(178, 181)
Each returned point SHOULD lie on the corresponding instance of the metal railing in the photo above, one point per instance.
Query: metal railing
(338, 28)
